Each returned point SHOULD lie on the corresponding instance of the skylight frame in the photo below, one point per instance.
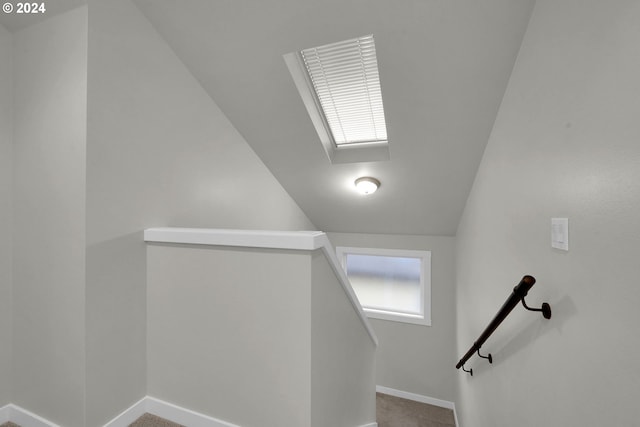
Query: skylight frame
(341, 151)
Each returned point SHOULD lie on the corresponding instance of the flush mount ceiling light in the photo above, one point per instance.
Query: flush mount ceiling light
(367, 185)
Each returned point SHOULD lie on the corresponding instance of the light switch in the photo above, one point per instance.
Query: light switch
(560, 233)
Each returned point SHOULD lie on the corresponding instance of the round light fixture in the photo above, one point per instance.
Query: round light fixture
(367, 185)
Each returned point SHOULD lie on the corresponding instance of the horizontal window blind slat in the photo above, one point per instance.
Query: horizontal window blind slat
(314, 61)
(331, 75)
(353, 76)
(349, 98)
(356, 98)
(322, 68)
(345, 44)
(355, 112)
(352, 83)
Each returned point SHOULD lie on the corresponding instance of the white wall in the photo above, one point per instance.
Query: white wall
(50, 89)
(414, 358)
(565, 144)
(6, 179)
(229, 333)
(257, 337)
(160, 152)
(342, 355)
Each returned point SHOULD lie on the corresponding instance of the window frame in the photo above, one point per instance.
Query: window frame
(337, 154)
(425, 282)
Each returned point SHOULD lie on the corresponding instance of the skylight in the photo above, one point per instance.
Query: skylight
(346, 82)
(340, 88)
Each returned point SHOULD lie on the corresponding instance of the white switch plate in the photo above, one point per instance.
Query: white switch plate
(560, 233)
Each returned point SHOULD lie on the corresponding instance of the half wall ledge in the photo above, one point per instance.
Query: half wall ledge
(266, 239)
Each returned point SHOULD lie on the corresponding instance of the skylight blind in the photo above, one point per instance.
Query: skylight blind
(347, 85)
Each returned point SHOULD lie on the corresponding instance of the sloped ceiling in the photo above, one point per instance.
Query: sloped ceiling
(444, 66)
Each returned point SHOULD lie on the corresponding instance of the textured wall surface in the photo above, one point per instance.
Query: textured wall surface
(50, 87)
(159, 153)
(229, 333)
(257, 337)
(565, 144)
(342, 354)
(414, 358)
(6, 179)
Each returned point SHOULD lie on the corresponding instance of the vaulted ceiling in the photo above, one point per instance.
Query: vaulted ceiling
(444, 67)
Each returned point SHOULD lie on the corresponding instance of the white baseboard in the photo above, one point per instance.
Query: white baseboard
(455, 415)
(415, 397)
(129, 415)
(171, 412)
(183, 416)
(168, 411)
(24, 418)
(420, 398)
(147, 404)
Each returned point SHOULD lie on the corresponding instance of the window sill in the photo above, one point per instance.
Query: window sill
(397, 317)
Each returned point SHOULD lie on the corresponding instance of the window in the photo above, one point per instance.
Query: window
(346, 82)
(390, 284)
(340, 86)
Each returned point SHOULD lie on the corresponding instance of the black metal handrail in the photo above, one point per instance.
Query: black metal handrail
(518, 294)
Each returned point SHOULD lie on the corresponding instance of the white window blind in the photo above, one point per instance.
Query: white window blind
(347, 85)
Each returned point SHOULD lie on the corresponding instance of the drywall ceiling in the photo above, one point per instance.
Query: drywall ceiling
(444, 67)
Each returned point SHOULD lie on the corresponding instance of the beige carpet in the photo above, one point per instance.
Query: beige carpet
(148, 420)
(396, 412)
(390, 411)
